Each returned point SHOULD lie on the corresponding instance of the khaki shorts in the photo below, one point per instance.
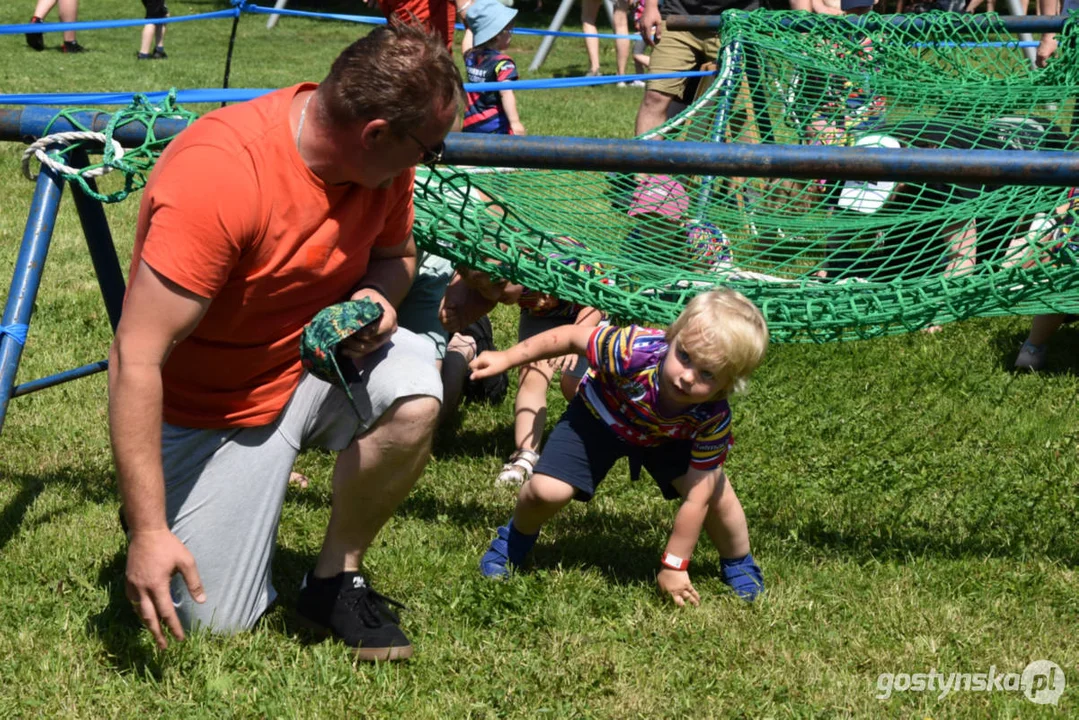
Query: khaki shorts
(680, 51)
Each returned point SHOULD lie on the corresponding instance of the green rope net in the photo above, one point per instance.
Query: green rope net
(824, 259)
(137, 162)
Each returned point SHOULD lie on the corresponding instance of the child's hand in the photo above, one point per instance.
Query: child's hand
(488, 364)
(518, 128)
(676, 584)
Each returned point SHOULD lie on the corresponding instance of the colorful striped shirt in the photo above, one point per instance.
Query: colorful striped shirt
(483, 110)
(622, 390)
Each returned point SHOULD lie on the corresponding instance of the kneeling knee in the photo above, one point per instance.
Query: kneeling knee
(413, 419)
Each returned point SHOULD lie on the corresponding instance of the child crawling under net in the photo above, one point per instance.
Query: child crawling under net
(659, 398)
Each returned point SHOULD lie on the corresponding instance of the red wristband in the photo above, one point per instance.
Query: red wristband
(674, 562)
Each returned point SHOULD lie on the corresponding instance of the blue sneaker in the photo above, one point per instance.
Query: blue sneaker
(743, 575)
(508, 548)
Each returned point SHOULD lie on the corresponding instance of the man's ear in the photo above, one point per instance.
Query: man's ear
(374, 134)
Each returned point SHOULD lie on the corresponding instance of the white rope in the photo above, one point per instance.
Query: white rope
(37, 149)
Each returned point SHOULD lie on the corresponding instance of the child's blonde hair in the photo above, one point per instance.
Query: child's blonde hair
(724, 331)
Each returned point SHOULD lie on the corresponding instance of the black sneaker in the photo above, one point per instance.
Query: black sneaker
(160, 54)
(349, 609)
(36, 41)
(490, 390)
(71, 46)
(143, 56)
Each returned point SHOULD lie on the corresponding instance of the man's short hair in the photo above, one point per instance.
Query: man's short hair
(399, 72)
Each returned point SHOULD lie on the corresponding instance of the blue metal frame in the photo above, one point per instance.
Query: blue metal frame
(30, 264)
(27, 276)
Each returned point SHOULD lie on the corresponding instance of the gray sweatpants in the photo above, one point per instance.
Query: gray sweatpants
(224, 488)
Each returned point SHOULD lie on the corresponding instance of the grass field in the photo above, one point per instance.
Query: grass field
(913, 504)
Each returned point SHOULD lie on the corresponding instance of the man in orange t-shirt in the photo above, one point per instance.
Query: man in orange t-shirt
(255, 218)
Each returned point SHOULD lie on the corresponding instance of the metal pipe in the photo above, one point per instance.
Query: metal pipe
(991, 167)
(95, 227)
(1024, 24)
(62, 377)
(26, 278)
(29, 123)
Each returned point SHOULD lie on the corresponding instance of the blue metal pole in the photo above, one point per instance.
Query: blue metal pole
(29, 123)
(1021, 24)
(63, 377)
(990, 167)
(95, 227)
(27, 276)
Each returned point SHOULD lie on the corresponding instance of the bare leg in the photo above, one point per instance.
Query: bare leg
(159, 35)
(539, 500)
(653, 111)
(69, 12)
(147, 44)
(372, 477)
(725, 522)
(530, 407)
(589, 10)
(621, 27)
(1043, 327)
(43, 8)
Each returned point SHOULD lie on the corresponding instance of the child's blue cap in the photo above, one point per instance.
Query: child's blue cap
(487, 18)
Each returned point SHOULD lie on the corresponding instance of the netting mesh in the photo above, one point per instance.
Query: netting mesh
(824, 259)
(136, 162)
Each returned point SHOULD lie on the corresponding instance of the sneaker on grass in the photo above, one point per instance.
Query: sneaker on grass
(36, 41)
(347, 608)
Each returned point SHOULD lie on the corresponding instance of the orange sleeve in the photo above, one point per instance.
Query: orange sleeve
(204, 209)
(400, 212)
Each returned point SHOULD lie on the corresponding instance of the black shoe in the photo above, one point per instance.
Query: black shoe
(349, 609)
(143, 56)
(72, 47)
(36, 41)
(160, 54)
(490, 390)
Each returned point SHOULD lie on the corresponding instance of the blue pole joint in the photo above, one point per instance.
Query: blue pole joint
(16, 331)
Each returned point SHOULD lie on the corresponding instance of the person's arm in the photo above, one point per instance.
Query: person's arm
(804, 5)
(549, 344)
(688, 523)
(157, 315)
(651, 23)
(1048, 44)
(509, 104)
(962, 249)
(822, 8)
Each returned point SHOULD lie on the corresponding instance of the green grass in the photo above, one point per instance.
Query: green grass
(913, 505)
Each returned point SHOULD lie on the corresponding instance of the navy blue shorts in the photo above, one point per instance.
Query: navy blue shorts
(155, 9)
(582, 449)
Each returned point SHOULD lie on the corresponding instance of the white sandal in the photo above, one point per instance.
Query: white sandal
(519, 468)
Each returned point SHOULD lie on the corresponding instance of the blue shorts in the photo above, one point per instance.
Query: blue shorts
(581, 451)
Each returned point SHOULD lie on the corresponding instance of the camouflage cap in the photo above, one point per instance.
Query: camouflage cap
(321, 337)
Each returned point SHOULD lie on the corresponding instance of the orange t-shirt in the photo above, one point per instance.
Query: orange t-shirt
(232, 213)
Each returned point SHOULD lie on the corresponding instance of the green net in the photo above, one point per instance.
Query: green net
(137, 162)
(824, 259)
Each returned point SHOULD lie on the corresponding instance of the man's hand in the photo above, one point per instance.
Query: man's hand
(373, 337)
(489, 364)
(651, 24)
(676, 584)
(153, 557)
(1046, 48)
